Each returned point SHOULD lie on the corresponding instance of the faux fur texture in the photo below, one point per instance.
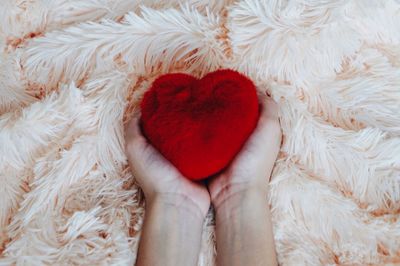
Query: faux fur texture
(200, 124)
(73, 72)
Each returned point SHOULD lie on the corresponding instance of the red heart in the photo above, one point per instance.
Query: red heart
(200, 124)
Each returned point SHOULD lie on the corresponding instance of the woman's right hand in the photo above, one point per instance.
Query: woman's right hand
(252, 167)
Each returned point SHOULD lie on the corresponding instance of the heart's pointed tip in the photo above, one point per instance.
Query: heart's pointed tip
(197, 179)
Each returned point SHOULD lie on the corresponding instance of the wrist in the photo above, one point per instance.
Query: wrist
(233, 197)
(243, 224)
(170, 226)
(180, 202)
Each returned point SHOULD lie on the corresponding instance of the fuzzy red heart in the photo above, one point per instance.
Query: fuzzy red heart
(200, 124)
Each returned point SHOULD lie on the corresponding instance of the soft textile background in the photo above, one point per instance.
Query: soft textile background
(73, 72)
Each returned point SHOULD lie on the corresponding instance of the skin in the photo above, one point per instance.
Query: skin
(176, 207)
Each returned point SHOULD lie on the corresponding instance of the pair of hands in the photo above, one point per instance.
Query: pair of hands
(250, 170)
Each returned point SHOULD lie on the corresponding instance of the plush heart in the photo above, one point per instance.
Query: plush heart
(200, 124)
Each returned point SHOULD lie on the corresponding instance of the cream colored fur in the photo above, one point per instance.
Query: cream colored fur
(73, 72)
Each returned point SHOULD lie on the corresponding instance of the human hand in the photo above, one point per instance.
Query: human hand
(252, 167)
(158, 178)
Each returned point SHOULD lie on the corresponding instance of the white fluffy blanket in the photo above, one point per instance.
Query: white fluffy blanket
(72, 72)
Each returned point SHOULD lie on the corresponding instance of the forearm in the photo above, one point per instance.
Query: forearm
(244, 230)
(171, 233)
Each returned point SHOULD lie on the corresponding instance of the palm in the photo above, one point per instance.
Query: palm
(157, 175)
(253, 165)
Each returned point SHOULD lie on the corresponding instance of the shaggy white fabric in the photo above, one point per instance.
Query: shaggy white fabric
(72, 72)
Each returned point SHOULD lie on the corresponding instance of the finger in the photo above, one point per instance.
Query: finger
(135, 142)
(133, 131)
(268, 126)
(138, 146)
(269, 108)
